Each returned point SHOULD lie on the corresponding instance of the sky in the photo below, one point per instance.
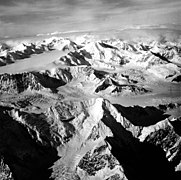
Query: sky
(29, 17)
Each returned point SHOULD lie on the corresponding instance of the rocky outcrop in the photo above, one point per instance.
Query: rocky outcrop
(138, 159)
(25, 158)
(177, 79)
(57, 124)
(17, 83)
(106, 54)
(74, 59)
(89, 139)
(114, 88)
(17, 51)
(5, 172)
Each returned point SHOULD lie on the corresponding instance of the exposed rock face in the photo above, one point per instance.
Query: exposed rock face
(56, 123)
(13, 52)
(17, 83)
(5, 172)
(177, 78)
(88, 139)
(104, 53)
(167, 136)
(113, 87)
(26, 158)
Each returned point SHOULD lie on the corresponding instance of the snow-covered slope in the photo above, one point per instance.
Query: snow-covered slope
(92, 139)
(65, 118)
(11, 52)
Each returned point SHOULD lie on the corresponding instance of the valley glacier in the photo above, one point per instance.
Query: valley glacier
(90, 109)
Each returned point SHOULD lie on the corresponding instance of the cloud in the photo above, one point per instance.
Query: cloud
(40, 16)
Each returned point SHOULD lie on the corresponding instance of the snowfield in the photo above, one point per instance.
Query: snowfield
(90, 109)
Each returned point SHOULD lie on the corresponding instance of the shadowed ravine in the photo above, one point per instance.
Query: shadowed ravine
(140, 116)
(90, 109)
(27, 159)
(140, 161)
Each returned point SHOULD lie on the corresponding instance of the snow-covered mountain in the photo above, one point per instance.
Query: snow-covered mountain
(103, 110)
(10, 53)
(113, 51)
(90, 139)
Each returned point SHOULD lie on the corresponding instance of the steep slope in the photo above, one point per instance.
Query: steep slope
(111, 54)
(17, 83)
(70, 132)
(88, 139)
(56, 121)
(110, 86)
(5, 172)
(26, 158)
(10, 53)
